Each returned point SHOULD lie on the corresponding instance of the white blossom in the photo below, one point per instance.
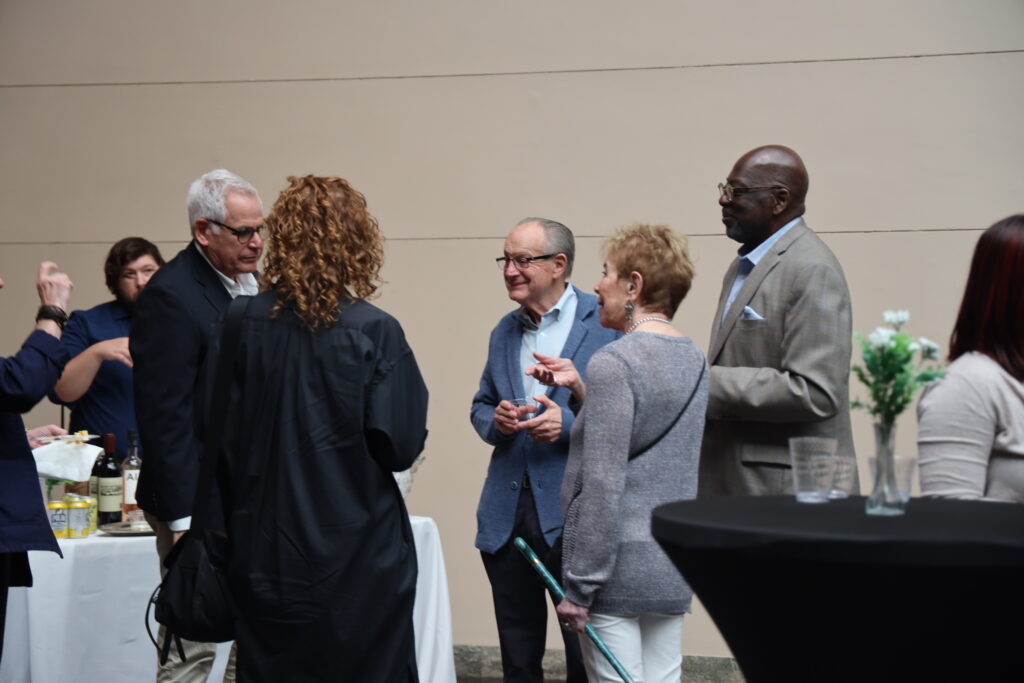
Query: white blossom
(896, 318)
(929, 349)
(881, 337)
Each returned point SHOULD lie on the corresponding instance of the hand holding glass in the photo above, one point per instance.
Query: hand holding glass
(520, 404)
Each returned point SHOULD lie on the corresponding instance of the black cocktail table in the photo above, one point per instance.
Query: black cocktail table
(825, 593)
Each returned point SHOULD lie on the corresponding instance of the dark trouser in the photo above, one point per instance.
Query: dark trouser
(14, 571)
(520, 603)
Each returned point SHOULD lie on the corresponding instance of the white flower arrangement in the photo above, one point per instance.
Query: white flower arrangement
(889, 370)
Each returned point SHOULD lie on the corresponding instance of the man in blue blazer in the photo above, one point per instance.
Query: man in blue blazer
(174, 317)
(520, 495)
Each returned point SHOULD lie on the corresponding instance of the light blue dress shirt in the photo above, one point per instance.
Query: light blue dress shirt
(548, 337)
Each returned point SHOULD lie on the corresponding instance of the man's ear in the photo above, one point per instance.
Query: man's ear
(781, 197)
(202, 232)
(561, 261)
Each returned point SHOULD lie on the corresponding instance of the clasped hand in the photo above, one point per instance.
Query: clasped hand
(545, 427)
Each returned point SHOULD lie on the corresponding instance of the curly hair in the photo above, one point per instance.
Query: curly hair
(659, 254)
(322, 245)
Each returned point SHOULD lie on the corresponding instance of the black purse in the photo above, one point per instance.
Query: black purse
(194, 600)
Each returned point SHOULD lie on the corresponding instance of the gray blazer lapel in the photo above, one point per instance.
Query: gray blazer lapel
(717, 333)
(750, 286)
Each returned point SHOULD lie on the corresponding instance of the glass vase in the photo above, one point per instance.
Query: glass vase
(885, 499)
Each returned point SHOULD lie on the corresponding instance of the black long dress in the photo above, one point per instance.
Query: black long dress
(323, 565)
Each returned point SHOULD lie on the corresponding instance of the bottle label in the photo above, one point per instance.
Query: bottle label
(131, 482)
(110, 489)
(94, 486)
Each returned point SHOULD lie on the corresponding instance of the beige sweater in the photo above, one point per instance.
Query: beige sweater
(971, 433)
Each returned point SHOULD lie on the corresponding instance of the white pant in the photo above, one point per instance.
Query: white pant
(649, 646)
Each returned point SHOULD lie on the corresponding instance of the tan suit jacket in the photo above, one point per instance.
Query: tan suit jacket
(784, 375)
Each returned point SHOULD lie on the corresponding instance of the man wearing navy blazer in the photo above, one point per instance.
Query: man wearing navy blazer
(520, 494)
(24, 380)
(781, 339)
(174, 317)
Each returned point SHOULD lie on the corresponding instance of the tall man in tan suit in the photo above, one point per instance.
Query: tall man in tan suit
(781, 339)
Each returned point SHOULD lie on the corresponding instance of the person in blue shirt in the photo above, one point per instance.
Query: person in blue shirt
(97, 382)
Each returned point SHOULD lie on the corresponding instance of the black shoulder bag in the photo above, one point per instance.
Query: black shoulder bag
(194, 601)
(682, 411)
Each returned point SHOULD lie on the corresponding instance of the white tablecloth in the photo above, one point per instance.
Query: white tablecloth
(83, 619)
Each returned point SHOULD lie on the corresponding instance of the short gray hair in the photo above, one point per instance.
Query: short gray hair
(559, 240)
(206, 196)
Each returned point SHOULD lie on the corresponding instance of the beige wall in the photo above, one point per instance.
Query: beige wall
(456, 118)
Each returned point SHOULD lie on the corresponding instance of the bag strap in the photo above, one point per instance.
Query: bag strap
(216, 408)
(686, 405)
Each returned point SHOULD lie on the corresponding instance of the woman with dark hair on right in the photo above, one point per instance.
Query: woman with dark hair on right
(326, 402)
(971, 423)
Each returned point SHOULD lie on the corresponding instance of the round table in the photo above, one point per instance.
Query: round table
(826, 593)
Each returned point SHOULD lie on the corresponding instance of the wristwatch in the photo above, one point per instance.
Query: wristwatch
(54, 313)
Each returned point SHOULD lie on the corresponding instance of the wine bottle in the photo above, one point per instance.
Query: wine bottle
(130, 468)
(109, 484)
(94, 477)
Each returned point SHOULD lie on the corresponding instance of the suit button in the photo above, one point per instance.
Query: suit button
(514, 485)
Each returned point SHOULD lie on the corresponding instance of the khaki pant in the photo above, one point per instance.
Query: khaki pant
(198, 656)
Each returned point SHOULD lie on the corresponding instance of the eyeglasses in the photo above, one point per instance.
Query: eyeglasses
(727, 192)
(133, 275)
(520, 262)
(244, 235)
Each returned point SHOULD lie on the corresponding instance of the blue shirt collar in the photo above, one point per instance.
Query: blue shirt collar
(757, 253)
(553, 314)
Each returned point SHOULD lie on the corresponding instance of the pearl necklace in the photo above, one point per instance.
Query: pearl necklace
(641, 321)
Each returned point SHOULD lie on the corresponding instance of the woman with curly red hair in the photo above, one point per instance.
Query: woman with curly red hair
(326, 402)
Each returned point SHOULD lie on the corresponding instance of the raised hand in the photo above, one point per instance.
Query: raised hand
(54, 287)
(558, 372)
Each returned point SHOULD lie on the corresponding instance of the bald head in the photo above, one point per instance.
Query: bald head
(770, 186)
(778, 165)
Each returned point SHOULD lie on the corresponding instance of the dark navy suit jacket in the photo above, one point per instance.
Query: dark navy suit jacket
(513, 455)
(174, 317)
(24, 380)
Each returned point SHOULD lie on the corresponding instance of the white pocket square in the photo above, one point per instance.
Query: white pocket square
(750, 314)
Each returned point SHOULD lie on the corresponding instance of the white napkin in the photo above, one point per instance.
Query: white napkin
(66, 460)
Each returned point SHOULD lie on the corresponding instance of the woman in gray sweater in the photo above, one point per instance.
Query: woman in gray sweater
(635, 445)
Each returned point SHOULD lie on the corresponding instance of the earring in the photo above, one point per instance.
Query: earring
(629, 310)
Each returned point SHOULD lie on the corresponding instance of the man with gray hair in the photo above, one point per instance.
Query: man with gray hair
(521, 493)
(174, 317)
